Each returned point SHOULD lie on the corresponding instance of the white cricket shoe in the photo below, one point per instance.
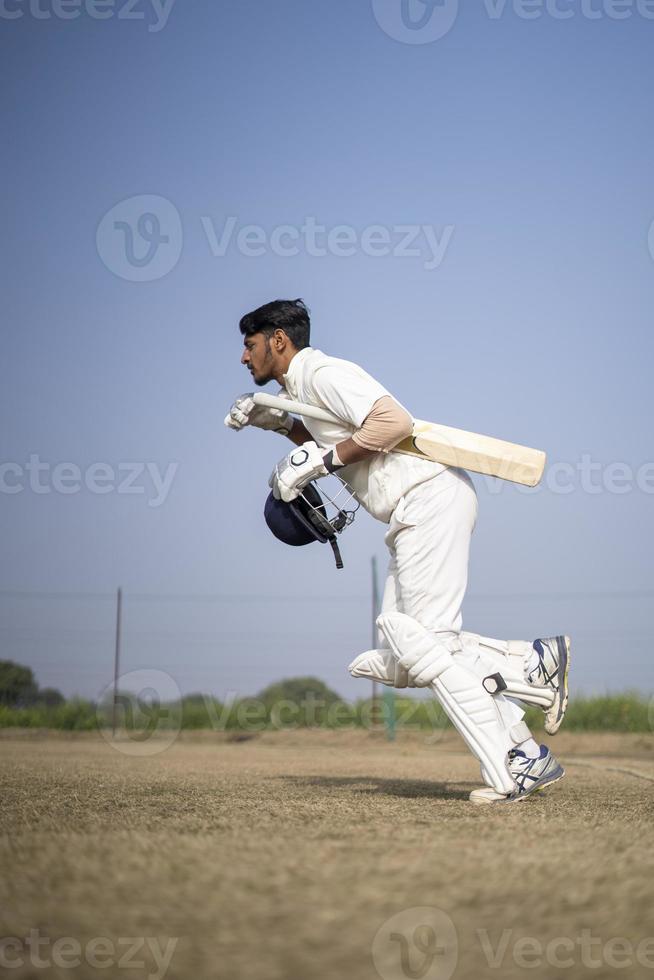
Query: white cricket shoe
(530, 775)
(549, 667)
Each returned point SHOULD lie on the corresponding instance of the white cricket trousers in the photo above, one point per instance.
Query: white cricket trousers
(429, 544)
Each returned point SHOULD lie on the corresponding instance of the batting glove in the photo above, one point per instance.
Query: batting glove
(244, 412)
(306, 463)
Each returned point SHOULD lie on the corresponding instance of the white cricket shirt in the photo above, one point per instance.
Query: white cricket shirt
(349, 392)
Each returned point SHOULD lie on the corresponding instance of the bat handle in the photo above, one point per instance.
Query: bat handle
(296, 408)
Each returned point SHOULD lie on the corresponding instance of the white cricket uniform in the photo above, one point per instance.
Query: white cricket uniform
(428, 571)
(347, 391)
(431, 508)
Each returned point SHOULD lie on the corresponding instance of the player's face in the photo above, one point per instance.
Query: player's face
(258, 358)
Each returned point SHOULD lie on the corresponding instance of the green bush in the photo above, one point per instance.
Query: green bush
(628, 712)
(18, 687)
(74, 715)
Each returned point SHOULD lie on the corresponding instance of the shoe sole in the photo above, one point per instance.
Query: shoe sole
(560, 703)
(549, 780)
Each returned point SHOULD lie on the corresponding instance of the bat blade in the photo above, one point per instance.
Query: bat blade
(475, 452)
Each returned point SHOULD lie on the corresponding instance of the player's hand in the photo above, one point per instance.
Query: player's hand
(244, 412)
(293, 472)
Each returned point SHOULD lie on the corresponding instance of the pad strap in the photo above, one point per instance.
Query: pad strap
(542, 697)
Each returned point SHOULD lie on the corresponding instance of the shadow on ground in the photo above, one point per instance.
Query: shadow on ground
(411, 789)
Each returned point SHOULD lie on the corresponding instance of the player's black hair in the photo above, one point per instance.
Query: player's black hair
(289, 315)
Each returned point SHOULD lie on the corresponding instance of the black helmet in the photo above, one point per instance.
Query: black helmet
(305, 519)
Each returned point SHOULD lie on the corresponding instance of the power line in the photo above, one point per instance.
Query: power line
(319, 597)
(608, 594)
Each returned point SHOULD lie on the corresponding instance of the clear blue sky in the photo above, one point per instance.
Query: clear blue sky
(525, 146)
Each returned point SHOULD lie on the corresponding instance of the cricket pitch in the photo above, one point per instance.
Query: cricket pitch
(322, 855)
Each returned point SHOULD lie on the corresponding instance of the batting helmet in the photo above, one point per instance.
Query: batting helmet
(306, 518)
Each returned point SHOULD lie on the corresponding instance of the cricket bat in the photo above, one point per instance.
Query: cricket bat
(443, 444)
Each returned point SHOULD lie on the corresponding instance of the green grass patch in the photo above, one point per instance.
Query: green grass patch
(627, 712)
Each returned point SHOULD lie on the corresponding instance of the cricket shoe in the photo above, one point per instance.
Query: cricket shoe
(549, 667)
(380, 665)
(530, 775)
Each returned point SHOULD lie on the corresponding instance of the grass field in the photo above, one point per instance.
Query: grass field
(283, 710)
(317, 855)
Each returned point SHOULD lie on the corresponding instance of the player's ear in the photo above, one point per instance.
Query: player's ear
(280, 340)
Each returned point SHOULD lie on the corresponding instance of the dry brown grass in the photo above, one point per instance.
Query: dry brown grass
(280, 858)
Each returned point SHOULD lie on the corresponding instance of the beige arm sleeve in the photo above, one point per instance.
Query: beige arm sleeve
(386, 425)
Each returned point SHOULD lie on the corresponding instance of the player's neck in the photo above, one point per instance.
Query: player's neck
(283, 365)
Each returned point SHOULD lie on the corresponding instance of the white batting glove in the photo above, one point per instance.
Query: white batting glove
(244, 412)
(306, 463)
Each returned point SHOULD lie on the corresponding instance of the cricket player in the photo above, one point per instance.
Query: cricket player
(430, 511)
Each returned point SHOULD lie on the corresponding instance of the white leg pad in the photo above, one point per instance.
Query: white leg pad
(470, 708)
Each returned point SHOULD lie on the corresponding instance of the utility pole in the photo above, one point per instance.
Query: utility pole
(119, 605)
(373, 645)
(389, 693)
